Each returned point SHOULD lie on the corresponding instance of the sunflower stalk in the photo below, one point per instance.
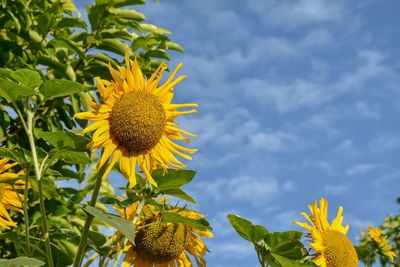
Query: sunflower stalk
(28, 127)
(89, 219)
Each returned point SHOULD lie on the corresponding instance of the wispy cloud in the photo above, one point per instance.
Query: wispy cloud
(297, 13)
(385, 142)
(363, 168)
(289, 95)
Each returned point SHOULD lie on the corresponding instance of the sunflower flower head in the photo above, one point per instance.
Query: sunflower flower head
(329, 240)
(10, 199)
(382, 242)
(135, 121)
(163, 244)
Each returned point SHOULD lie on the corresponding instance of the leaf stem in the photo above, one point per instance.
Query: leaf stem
(89, 218)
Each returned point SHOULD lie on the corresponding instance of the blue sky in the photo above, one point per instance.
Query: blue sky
(298, 99)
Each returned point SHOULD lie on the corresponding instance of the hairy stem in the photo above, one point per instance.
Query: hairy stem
(29, 126)
(38, 174)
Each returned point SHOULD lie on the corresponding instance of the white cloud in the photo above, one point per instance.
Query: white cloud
(346, 145)
(297, 93)
(274, 141)
(292, 14)
(253, 190)
(365, 110)
(284, 220)
(334, 189)
(363, 168)
(385, 142)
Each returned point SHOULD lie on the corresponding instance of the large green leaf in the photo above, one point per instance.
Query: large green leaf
(127, 228)
(201, 224)
(113, 45)
(60, 88)
(280, 261)
(12, 91)
(21, 261)
(127, 14)
(172, 179)
(65, 140)
(121, 3)
(178, 193)
(286, 244)
(6, 74)
(64, 70)
(70, 45)
(27, 77)
(71, 22)
(72, 157)
(247, 229)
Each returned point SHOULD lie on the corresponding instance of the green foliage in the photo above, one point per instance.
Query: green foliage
(49, 57)
(277, 249)
(21, 261)
(369, 252)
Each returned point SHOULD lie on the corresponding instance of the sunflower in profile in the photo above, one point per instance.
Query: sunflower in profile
(135, 121)
(163, 244)
(329, 241)
(382, 242)
(9, 198)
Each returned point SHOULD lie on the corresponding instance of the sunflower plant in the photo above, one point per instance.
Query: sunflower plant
(329, 246)
(81, 98)
(381, 244)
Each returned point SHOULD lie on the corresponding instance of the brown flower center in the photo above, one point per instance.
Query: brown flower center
(137, 121)
(339, 251)
(162, 242)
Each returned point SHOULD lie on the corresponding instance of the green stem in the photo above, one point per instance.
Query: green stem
(30, 118)
(26, 217)
(24, 203)
(28, 126)
(89, 218)
(91, 259)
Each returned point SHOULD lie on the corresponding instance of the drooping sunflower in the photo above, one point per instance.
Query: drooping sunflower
(135, 121)
(382, 242)
(329, 241)
(162, 244)
(9, 198)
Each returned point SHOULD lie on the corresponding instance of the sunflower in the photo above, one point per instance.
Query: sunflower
(382, 242)
(333, 247)
(135, 122)
(162, 244)
(9, 198)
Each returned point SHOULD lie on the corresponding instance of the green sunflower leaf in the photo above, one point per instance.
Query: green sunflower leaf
(113, 45)
(70, 45)
(173, 217)
(70, 22)
(172, 179)
(127, 14)
(60, 88)
(121, 3)
(11, 90)
(21, 261)
(247, 229)
(27, 77)
(286, 244)
(280, 261)
(127, 228)
(65, 140)
(178, 193)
